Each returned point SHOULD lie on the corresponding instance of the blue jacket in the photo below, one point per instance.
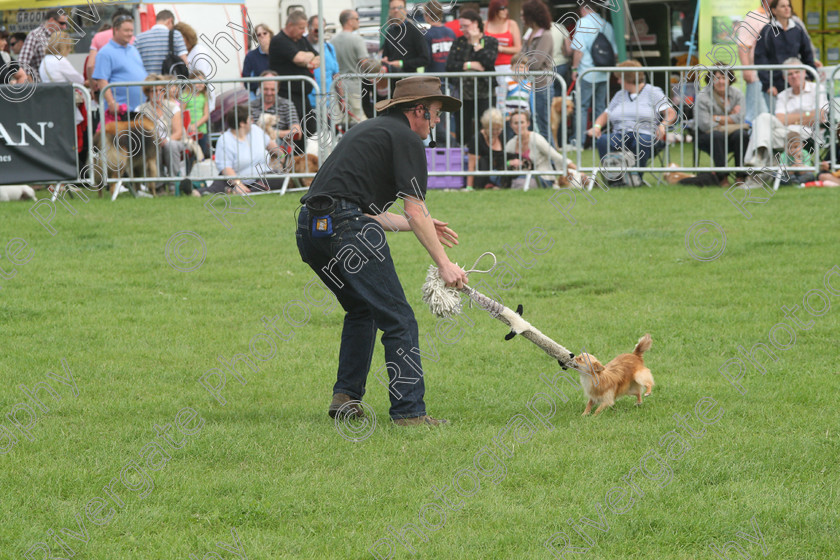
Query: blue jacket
(331, 63)
(771, 48)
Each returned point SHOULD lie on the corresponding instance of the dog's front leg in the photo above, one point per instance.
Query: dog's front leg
(588, 407)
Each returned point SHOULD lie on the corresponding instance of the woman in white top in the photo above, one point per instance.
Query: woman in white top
(245, 149)
(199, 58)
(56, 68)
(534, 148)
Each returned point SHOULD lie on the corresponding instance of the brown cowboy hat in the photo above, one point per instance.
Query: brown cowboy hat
(416, 88)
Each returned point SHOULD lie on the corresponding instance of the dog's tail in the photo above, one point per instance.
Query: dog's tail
(643, 345)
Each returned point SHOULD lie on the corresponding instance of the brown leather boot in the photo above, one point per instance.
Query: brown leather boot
(425, 420)
(348, 411)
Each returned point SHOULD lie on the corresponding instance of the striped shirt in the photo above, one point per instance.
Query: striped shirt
(34, 50)
(154, 46)
(283, 108)
(640, 114)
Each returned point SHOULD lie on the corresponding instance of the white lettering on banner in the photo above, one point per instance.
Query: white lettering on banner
(23, 130)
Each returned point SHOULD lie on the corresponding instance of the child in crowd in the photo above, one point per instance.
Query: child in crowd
(199, 109)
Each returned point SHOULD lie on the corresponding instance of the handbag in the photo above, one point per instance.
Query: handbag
(173, 64)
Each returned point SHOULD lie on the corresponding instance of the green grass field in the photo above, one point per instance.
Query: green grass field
(698, 463)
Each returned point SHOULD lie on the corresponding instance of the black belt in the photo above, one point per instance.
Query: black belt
(347, 204)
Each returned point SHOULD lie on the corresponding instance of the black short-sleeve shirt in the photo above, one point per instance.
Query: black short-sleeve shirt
(376, 162)
(281, 53)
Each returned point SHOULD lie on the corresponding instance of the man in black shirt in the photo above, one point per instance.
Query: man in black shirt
(290, 54)
(375, 163)
(405, 48)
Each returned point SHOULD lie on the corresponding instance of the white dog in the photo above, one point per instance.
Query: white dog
(16, 192)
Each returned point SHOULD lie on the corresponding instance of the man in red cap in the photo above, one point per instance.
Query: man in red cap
(341, 235)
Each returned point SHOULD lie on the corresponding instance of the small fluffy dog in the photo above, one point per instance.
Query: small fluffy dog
(130, 150)
(625, 375)
(16, 192)
(556, 112)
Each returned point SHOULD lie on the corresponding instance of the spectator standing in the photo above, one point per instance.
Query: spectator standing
(539, 47)
(153, 44)
(507, 33)
(330, 61)
(780, 40)
(119, 61)
(473, 52)
(405, 49)
(256, 61)
(438, 36)
(268, 102)
(55, 68)
(561, 55)
(290, 54)
(101, 38)
(350, 51)
(16, 41)
(198, 106)
(593, 86)
(199, 59)
(35, 46)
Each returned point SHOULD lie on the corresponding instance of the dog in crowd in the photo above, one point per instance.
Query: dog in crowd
(557, 114)
(130, 150)
(16, 192)
(626, 374)
(305, 163)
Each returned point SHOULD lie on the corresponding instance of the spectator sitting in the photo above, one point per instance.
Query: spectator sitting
(719, 113)
(166, 114)
(331, 63)
(473, 52)
(35, 46)
(405, 49)
(101, 38)
(350, 51)
(487, 153)
(256, 61)
(153, 44)
(635, 116)
(56, 68)
(794, 121)
(119, 61)
(270, 103)
(780, 40)
(535, 149)
(243, 149)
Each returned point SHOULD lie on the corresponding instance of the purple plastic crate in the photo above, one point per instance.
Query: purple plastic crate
(445, 159)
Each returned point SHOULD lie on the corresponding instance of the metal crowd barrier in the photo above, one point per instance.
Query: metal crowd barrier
(134, 141)
(683, 103)
(65, 186)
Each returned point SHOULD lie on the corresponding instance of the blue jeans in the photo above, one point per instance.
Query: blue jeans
(642, 145)
(355, 264)
(563, 71)
(598, 90)
(755, 102)
(542, 110)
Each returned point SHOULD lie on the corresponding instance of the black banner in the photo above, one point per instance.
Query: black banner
(37, 133)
